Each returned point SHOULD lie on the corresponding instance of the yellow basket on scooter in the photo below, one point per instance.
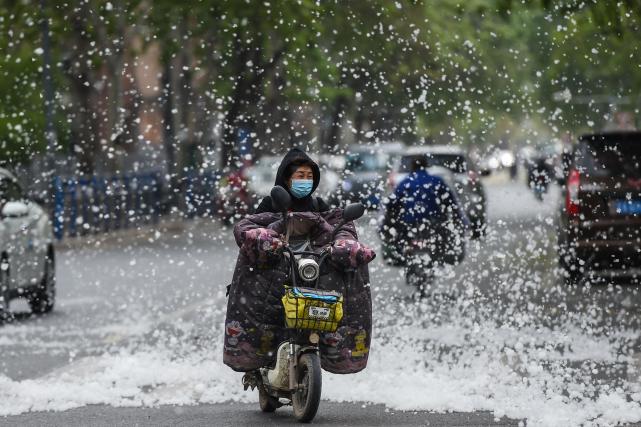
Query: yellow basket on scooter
(309, 308)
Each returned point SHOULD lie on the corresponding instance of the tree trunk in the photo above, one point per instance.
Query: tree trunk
(168, 120)
(335, 126)
(184, 94)
(83, 88)
(358, 123)
(229, 133)
(247, 93)
(85, 146)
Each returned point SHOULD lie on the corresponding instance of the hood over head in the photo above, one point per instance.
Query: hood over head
(296, 155)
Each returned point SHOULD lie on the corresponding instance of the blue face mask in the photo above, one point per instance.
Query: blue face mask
(301, 187)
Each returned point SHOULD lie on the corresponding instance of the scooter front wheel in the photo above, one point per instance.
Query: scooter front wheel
(306, 398)
(420, 277)
(267, 403)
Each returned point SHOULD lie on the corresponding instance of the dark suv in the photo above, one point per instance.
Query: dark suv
(600, 223)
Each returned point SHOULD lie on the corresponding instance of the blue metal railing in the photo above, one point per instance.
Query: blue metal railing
(102, 204)
(83, 206)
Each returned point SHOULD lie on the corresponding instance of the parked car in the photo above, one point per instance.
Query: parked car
(600, 220)
(27, 258)
(366, 168)
(261, 175)
(334, 162)
(465, 176)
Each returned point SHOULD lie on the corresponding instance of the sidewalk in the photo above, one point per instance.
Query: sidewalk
(168, 226)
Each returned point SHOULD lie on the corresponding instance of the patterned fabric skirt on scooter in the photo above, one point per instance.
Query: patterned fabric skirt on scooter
(254, 324)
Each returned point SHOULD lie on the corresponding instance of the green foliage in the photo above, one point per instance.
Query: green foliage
(21, 104)
(588, 62)
(442, 68)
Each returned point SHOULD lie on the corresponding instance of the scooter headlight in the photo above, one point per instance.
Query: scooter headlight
(308, 269)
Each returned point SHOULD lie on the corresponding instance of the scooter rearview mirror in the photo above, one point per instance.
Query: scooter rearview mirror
(350, 213)
(281, 200)
(353, 211)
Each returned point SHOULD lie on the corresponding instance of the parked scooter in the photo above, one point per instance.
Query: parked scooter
(296, 374)
(233, 198)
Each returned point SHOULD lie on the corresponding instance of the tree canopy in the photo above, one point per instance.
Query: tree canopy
(299, 71)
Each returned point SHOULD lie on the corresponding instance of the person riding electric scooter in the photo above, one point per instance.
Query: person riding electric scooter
(300, 297)
(540, 174)
(424, 226)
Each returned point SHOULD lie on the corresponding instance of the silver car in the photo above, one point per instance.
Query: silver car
(27, 259)
(366, 168)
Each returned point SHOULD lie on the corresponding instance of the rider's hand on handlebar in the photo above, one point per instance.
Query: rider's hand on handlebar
(351, 253)
(269, 241)
(259, 243)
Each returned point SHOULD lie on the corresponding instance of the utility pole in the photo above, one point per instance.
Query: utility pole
(47, 83)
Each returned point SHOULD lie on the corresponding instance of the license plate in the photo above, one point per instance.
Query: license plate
(319, 313)
(627, 207)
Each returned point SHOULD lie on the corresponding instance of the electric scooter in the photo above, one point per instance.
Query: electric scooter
(296, 374)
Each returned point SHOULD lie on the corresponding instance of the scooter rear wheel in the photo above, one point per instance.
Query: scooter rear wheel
(306, 399)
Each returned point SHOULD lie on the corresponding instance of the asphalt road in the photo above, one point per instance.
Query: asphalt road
(233, 414)
(166, 290)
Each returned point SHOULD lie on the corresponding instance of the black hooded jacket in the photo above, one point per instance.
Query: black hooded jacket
(306, 204)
